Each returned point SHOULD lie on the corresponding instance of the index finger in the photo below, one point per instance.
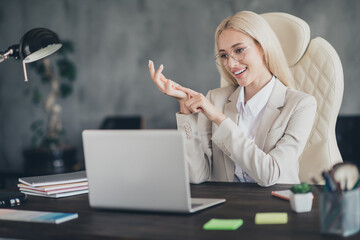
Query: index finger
(187, 90)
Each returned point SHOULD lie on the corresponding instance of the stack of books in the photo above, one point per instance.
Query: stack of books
(56, 185)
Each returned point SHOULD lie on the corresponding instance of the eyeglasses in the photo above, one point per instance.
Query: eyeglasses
(237, 53)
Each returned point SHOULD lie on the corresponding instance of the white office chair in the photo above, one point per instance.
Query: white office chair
(317, 70)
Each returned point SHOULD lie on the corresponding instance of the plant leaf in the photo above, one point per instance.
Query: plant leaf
(65, 90)
(67, 69)
(36, 96)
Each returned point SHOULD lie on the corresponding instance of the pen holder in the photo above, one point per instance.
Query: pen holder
(339, 213)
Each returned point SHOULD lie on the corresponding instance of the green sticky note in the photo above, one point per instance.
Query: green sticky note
(271, 218)
(223, 224)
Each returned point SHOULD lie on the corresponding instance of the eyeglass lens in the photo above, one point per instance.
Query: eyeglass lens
(238, 54)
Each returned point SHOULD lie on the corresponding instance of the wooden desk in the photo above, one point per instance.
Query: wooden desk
(243, 201)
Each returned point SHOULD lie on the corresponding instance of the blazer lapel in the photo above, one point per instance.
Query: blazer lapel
(272, 111)
(230, 109)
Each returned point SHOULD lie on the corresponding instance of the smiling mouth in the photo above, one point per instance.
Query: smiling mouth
(240, 72)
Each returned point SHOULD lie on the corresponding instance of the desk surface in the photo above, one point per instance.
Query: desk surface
(243, 201)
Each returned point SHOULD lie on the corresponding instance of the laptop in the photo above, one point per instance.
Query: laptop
(142, 170)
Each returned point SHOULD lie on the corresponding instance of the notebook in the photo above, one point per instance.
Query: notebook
(53, 179)
(141, 170)
(36, 216)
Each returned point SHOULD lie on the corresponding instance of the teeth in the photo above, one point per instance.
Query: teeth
(238, 72)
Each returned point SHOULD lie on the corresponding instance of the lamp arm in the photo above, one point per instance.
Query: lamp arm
(12, 51)
(5, 55)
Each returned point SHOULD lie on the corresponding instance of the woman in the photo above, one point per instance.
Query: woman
(254, 130)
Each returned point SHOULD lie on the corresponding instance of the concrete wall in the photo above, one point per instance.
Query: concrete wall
(113, 41)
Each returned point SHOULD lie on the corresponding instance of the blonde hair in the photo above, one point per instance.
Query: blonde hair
(254, 26)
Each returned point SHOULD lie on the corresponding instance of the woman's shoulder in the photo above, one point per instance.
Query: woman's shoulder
(290, 93)
(295, 95)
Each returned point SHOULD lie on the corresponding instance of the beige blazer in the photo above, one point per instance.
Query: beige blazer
(272, 157)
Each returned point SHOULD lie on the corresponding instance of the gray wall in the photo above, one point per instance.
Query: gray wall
(114, 40)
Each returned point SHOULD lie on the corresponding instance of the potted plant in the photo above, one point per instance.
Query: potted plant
(48, 151)
(301, 198)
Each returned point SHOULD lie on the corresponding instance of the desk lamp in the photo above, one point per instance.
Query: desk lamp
(34, 45)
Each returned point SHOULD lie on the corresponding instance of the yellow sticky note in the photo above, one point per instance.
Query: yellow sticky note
(271, 218)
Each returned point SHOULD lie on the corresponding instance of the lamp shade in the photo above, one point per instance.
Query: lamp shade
(38, 43)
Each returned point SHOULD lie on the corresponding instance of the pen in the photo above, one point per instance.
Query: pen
(336, 186)
(327, 185)
(12, 201)
(331, 186)
(356, 184)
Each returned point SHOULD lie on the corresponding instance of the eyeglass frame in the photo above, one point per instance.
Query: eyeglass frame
(231, 55)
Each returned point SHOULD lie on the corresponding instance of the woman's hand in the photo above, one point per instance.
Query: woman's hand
(197, 102)
(189, 100)
(165, 85)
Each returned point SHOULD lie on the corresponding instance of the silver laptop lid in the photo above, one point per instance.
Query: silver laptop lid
(137, 170)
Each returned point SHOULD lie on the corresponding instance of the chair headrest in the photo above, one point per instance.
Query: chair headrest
(292, 32)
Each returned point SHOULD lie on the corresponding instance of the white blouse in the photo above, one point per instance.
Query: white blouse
(249, 117)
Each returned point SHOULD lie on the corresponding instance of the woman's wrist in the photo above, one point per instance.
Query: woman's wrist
(183, 108)
(219, 119)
